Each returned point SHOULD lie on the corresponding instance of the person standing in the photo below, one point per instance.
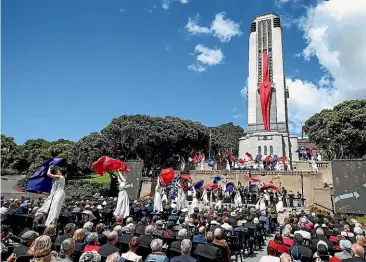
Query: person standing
(123, 202)
(53, 204)
(284, 196)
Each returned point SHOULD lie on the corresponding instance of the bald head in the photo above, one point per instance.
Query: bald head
(358, 250)
(202, 230)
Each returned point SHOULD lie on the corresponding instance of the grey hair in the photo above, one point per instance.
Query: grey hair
(319, 232)
(217, 232)
(358, 231)
(156, 245)
(66, 246)
(130, 228)
(92, 238)
(186, 246)
(129, 220)
(182, 234)
(118, 229)
(91, 256)
(115, 257)
(286, 232)
(149, 230)
(88, 226)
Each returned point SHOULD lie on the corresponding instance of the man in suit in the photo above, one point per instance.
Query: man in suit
(26, 241)
(124, 239)
(208, 250)
(176, 245)
(69, 231)
(110, 247)
(200, 238)
(147, 238)
(186, 247)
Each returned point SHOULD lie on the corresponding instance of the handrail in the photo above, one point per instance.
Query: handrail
(327, 208)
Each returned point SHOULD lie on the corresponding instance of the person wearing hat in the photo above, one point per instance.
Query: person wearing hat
(346, 247)
(173, 216)
(26, 241)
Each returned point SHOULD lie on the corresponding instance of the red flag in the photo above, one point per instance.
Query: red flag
(267, 159)
(249, 156)
(167, 176)
(252, 179)
(105, 163)
(241, 161)
(265, 92)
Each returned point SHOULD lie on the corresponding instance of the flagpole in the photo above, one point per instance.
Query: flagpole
(209, 147)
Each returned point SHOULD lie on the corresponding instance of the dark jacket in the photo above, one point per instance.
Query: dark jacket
(175, 246)
(146, 240)
(183, 258)
(125, 238)
(209, 251)
(108, 249)
(21, 250)
(102, 239)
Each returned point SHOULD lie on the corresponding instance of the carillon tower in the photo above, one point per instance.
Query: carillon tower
(268, 132)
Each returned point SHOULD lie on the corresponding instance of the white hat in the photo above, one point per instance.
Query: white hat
(104, 203)
(184, 210)
(233, 214)
(256, 220)
(99, 207)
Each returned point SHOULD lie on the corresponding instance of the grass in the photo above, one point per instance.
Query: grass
(95, 178)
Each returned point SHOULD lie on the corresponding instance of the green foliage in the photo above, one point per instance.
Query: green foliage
(24, 159)
(226, 138)
(159, 141)
(341, 132)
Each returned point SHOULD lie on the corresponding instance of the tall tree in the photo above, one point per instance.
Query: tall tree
(340, 131)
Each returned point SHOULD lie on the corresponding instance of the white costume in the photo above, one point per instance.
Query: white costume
(53, 203)
(227, 165)
(194, 201)
(218, 204)
(123, 202)
(261, 205)
(164, 197)
(237, 200)
(279, 206)
(314, 166)
(182, 199)
(158, 206)
(204, 197)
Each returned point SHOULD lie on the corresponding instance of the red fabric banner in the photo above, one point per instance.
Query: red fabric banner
(265, 92)
(105, 164)
(249, 156)
(166, 176)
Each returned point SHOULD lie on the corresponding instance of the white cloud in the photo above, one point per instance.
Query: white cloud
(234, 110)
(166, 3)
(193, 27)
(281, 3)
(206, 57)
(222, 28)
(237, 116)
(244, 91)
(336, 36)
(287, 21)
(197, 68)
(225, 29)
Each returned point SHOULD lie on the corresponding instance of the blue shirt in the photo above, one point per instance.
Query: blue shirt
(199, 239)
(266, 219)
(157, 258)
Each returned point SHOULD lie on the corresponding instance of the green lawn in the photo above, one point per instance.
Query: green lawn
(95, 178)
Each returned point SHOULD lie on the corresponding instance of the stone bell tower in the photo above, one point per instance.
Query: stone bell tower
(268, 132)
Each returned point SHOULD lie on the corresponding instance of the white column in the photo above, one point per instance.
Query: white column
(252, 79)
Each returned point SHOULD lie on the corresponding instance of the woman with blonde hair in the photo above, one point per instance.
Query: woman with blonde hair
(79, 237)
(361, 240)
(51, 231)
(41, 249)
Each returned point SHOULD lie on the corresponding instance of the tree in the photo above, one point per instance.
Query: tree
(340, 131)
(226, 138)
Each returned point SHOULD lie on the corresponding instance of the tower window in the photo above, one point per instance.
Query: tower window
(259, 150)
(276, 22)
(253, 27)
(271, 150)
(265, 150)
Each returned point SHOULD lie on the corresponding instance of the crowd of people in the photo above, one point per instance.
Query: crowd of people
(87, 231)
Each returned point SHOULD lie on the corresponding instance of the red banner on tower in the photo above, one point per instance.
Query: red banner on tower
(265, 92)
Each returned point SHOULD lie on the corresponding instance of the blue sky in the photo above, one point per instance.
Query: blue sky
(69, 67)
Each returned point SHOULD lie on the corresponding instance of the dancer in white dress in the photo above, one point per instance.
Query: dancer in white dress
(53, 203)
(123, 202)
(194, 203)
(238, 200)
(158, 207)
(204, 197)
(164, 198)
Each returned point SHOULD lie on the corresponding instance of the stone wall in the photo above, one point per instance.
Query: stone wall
(292, 181)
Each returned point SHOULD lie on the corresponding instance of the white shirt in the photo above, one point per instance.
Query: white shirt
(227, 227)
(269, 259)
(4, 210)
(305, 234)
(132, 256)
